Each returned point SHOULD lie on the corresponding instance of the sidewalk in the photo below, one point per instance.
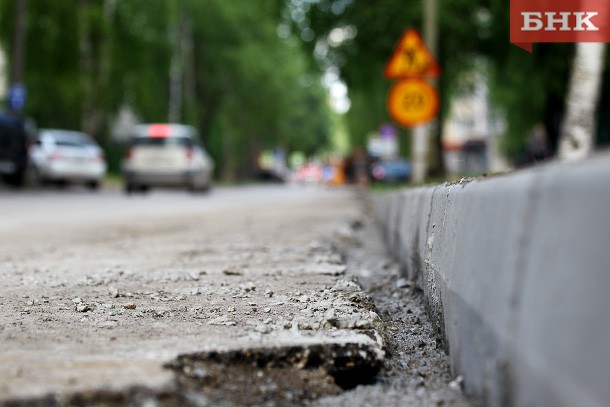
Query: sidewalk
(138, 308)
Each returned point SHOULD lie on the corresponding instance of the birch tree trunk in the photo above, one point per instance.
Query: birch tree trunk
(577, 138)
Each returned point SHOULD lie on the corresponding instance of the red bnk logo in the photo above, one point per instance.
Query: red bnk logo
(558, 21)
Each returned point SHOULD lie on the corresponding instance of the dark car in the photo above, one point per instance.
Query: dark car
(391, 170)
(13, 150)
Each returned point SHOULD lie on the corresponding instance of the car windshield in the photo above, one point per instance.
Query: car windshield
(70, 139)
(163, 141)
(74, 142)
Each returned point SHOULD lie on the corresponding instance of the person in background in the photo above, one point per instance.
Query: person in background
(537, 149)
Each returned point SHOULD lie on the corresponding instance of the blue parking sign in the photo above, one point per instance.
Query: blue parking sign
(17, 95)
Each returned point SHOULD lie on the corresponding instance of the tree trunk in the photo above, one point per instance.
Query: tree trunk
(18, 50)
(105, 63)
(88, 119)
(175, 70)
(190, 78)
(577, 138)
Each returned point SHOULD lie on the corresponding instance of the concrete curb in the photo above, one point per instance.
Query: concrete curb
(516, 273)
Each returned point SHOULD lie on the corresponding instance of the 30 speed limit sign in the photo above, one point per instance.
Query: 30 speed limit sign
(413, 102)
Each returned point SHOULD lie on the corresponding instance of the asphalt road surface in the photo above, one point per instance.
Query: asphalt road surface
(240, 297)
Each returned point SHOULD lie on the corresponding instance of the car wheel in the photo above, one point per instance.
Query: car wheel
(93, 185)
(131, 188)
(33, 176)
(15, 180)
(199, 189)
(61, 183)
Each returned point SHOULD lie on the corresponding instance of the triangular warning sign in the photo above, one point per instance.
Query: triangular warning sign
(411, 59)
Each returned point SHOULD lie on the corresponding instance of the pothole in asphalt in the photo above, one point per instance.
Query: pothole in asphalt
(273, 376)
(277, 376)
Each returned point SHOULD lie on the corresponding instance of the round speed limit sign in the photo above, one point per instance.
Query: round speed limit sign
(413, 102)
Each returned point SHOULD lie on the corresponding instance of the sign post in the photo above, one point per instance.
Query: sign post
(383, 144)
(413, 101)
(17, 96)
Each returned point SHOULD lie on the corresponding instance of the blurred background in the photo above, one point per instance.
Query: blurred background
(289, 90)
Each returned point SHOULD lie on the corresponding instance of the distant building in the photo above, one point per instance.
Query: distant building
(472, 130)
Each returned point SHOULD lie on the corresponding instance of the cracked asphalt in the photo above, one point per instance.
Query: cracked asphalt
(266, 295)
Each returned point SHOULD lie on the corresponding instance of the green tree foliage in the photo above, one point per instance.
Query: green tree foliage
(241, 85)
(530, 88)
(51, 70)
(140, 58)
(251, 83)
(377, 26)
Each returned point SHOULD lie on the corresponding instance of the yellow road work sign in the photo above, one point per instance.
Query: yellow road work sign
(411, 59)
(413, 102)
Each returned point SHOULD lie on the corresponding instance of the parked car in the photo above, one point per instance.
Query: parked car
(166, 155)
(391, 170)
(310, 173)
(65, 156)
(13, 150)
(271, 165)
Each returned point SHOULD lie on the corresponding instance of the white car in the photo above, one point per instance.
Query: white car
(65, 156)
(166, 155)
